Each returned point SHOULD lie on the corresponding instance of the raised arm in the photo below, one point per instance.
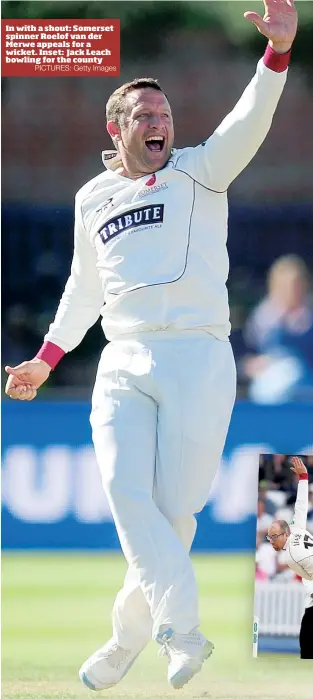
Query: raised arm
(220, 159)
(302, 501)
(78, 310)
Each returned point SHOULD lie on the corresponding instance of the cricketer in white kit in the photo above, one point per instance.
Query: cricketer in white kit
(294, 538)
(306, 633)
(150, 256)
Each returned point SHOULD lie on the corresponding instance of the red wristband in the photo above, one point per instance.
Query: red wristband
(50, 353)
(278, 62)
(304, 477)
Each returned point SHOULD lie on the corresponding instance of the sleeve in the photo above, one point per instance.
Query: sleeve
(219, 160)
(301, 506)
(306, 564)
(82, 299)
(308, 585)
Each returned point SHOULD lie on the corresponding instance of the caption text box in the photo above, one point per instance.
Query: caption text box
(60, 47)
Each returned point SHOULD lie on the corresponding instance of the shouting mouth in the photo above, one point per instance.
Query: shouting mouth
(155, 144)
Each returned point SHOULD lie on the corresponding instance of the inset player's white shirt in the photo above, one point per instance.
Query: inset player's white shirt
(299, 547)
(308, 584)
(150, 254)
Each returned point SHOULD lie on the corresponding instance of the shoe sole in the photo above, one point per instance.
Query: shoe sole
(187, 672)
(85, 680)
(88, 684)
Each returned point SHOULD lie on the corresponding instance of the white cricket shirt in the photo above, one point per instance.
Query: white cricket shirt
(308, 584)
(150, 254)
(299, 547)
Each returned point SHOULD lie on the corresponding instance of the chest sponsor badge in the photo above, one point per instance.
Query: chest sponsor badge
(144, 216)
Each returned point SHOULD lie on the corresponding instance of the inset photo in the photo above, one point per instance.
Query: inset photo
(283, 603)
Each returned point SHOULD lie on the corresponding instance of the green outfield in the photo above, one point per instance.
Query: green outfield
(56, 611)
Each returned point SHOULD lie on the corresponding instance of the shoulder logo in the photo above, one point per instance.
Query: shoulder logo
(150, 187)
(151, 180)
(105, 205)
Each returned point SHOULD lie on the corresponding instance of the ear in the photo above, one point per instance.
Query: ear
(113, 131)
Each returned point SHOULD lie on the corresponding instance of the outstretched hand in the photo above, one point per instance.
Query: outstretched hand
(298, 466)
(279, 23)
(25, 378)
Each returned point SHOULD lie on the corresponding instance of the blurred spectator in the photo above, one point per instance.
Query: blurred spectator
(266, 560)
(264, 520)
(279, 333)
(266, 495)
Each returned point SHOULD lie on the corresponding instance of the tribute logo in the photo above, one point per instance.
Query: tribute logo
(133, 219)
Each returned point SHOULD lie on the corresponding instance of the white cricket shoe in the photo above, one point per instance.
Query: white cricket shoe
(107, 666)
(186, 654)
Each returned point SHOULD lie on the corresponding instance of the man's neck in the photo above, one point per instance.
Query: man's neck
(133, 176)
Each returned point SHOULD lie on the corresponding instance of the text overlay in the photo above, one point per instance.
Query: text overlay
(60, 47)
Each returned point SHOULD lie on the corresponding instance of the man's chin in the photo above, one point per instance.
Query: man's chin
(156, 160)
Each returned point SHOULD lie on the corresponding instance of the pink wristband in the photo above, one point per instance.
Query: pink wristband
(278, 62)
(50, 353)
(304, 477)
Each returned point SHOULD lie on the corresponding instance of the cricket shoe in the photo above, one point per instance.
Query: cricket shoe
(186, 654)
(107, 666)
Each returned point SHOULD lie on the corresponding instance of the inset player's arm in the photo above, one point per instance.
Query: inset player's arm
(302, 501)
(82, 299)
(220, 159)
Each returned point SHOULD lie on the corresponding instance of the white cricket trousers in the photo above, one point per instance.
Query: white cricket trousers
(161, 408)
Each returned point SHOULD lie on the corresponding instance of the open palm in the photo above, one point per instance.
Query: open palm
(298, 466)
(279, 23)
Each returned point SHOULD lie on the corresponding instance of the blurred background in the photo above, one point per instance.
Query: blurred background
(280, 595)
(203, 54)
(53, 131)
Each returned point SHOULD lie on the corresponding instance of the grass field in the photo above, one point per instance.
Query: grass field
(56, 611)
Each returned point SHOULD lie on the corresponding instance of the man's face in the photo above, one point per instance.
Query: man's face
(146, 133)
(277, 537)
